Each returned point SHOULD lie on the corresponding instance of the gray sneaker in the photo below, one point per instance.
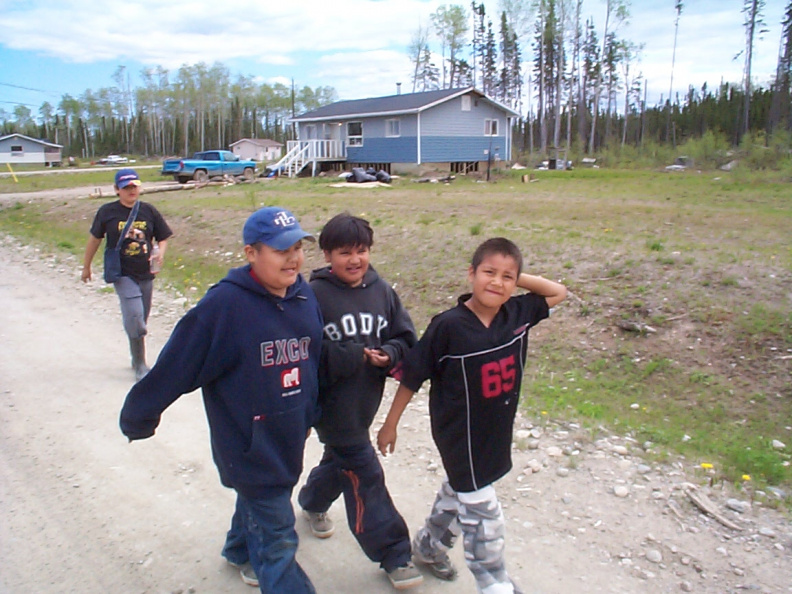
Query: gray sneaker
(406, 576)
(441, 566)
(321, 524)
(246, 573)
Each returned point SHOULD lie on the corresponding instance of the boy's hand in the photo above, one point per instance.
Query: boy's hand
(377, 357)
(386, 439)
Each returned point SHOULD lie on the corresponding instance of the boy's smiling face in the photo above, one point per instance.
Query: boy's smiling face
(277, 270)
(349, 263)
(493, 281)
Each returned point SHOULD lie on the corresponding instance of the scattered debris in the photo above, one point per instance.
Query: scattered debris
(435, 180)
(704, 504)
(635, 327)
(680, 164)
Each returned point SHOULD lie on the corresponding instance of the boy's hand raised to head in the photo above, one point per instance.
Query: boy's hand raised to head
(386, 439)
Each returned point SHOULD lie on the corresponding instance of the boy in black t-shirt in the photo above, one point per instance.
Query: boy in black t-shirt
(136, 286)
(474, 354)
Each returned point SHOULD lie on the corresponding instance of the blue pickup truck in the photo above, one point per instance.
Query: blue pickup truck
(206, 164)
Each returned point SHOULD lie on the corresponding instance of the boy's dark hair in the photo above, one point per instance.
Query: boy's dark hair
(497, 245)
(346, 230)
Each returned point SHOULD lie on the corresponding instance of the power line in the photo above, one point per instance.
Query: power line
(19, 103)
(24, 88)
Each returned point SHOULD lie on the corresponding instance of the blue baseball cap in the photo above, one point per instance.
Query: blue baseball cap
(275, 227)
(126, 177)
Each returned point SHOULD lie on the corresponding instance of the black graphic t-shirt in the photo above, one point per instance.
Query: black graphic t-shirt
(136, 249)
(476, 373)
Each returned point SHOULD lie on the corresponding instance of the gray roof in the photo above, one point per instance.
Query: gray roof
(263, 142)
(44, 142)
(390, 105)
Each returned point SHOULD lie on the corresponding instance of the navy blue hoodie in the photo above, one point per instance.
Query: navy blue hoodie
(255, 356)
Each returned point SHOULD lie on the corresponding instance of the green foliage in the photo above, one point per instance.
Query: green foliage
(709, 151)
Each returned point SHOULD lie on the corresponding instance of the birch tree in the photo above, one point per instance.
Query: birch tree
(780, 109)
(754, 23)
(617, 12)
(678, 5)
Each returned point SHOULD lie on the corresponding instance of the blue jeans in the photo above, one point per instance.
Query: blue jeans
(374, 521)
(262, 532)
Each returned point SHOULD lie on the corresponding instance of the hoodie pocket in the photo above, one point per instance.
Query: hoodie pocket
(277, 444)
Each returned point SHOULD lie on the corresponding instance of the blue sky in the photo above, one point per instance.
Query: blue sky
(356, 46)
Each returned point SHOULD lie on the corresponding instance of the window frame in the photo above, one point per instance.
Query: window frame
(17, 150)
(467, 100)
(354, 139)
(389, 125)
(491, 127)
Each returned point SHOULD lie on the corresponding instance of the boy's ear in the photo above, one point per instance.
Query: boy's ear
(250, 253)
(326, 255)
(471, 273)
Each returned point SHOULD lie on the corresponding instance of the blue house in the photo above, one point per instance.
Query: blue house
(459, 127)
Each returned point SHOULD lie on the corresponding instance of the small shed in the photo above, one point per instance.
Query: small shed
(257, 149)
(21, 149)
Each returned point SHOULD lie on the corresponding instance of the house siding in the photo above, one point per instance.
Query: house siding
(442, 149)
(384, 150)
(448, 119)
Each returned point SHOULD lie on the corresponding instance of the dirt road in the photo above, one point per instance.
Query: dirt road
(83, 511)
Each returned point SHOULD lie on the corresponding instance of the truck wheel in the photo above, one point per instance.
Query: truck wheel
(200, 176)
(248, 173)
(182, 179)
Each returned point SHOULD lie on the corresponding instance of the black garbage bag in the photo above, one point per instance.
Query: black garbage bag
(383, 176)
(360, 176)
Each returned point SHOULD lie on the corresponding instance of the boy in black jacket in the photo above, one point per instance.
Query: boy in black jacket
(367, 331)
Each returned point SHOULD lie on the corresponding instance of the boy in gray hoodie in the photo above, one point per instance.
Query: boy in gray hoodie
(366, 333)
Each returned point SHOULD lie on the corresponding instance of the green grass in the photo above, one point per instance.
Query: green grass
(703, 259)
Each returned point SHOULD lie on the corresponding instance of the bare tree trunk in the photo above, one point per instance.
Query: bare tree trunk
(678, 8)
(753, 11)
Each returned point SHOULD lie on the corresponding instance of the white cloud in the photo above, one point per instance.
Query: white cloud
(357, 46)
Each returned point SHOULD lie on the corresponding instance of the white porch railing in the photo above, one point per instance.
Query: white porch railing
(301, 152)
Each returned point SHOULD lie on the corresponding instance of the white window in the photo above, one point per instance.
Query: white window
(355, 133)
(392, 128)
(465, 102)
(17, 151)
(490, 127)
(310, 132)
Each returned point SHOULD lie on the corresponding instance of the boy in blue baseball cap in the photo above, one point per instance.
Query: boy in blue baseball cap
(252, 344)
(143, 227)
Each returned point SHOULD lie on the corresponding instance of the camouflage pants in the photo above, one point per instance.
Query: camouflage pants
(478, 516)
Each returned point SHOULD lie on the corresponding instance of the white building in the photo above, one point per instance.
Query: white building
(21, 149)
(257, 149)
